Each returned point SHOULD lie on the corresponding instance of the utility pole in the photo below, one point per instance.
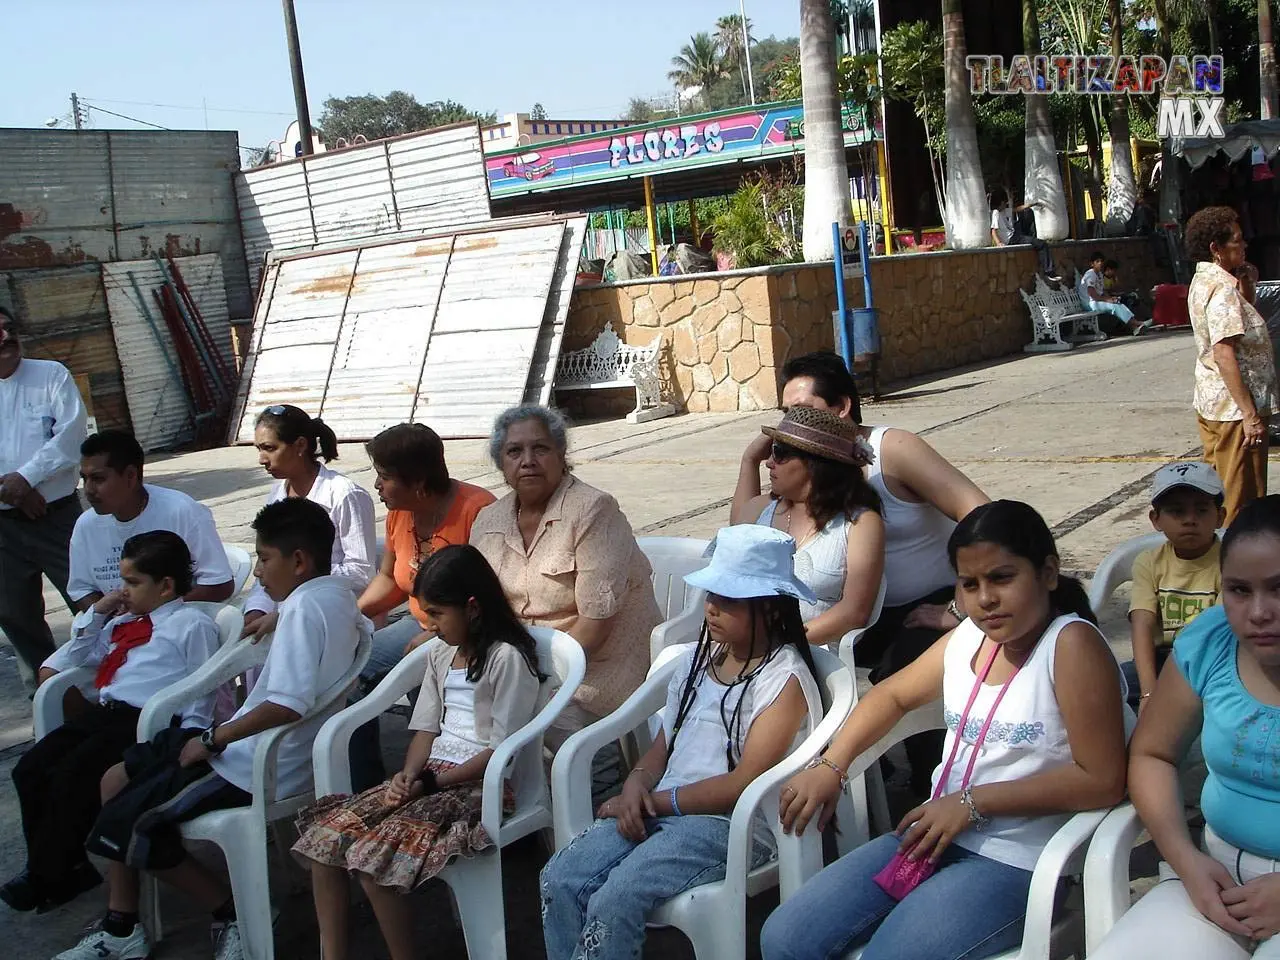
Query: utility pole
(75, 110)
(299, 84)
(746, 50)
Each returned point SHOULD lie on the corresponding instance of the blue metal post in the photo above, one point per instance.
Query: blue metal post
(842, 326)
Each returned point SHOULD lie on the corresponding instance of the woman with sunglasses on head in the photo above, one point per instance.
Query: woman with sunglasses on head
(830, 510)
(291, 445)
(426, 510)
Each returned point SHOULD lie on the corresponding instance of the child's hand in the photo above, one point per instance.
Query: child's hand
(401, 789)
(630, 808)
(111, 604)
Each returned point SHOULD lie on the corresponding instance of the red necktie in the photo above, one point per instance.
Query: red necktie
(125, 636)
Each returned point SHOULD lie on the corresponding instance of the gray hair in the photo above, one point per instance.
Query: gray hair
(555, 422)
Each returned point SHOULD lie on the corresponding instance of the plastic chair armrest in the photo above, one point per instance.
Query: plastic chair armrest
(919, 720)
(225, 665)
(571, 771)
(505, 753)
(1054, 863)
(46, 707)
(330, 752)
(1106, 873)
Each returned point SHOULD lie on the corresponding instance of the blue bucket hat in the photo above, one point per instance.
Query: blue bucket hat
(750, 560)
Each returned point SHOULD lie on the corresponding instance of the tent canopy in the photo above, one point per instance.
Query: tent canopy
(1240, 140)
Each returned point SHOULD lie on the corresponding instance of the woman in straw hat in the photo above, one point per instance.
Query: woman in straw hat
(830, 510)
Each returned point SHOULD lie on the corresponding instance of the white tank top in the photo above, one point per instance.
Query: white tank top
(458, 741)
(915, 540)
(1027, 736)
(822, 562)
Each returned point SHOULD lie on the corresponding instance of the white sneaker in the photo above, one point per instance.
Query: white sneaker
(1143, 327)
(100, 945)
(226, 942)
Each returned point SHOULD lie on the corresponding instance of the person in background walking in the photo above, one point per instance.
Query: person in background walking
(1235, 371)
(42, 424)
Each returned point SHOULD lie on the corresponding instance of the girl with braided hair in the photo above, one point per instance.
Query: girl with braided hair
(738, 701)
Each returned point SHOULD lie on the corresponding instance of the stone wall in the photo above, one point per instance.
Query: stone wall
(728, 334)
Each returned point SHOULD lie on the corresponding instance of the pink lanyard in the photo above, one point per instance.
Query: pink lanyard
(964, 719)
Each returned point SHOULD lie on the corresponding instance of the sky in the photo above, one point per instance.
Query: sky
(176, 63)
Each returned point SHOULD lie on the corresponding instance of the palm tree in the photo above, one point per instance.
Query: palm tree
(1123, 190)
(1042, 185)
(826, 172)
(1170, 165)
(1267, 63)
(1189, 11)
(729, 39)
(968, 215)
(698, 64)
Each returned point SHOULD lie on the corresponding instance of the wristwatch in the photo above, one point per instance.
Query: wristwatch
(207, 741)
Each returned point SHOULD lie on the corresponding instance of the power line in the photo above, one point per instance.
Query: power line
(122, 116)
(179, 106)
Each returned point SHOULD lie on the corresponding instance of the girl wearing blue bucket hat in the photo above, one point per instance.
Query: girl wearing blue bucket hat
(741, 698)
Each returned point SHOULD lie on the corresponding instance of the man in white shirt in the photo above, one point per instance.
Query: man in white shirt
(314, 646)
(1005, 231)
(123, 505)
(42, 424)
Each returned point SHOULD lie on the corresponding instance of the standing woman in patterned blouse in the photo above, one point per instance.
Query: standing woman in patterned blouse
(1235, 387)
(567, 558)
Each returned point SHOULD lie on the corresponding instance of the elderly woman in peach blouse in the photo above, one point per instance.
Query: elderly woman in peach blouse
(567, 559)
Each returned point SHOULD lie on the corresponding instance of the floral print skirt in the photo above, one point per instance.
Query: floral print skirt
(399, 847)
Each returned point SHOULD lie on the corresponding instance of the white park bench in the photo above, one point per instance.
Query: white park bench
(1052, 309)
(610, 363)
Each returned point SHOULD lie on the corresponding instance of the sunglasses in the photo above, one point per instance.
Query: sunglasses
(276, 410)
(783, 452)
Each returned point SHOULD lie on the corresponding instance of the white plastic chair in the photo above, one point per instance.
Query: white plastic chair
(712, 916)
(47, 705)
(476, 881)
(1044, 936)
(1106, 873)
(681, 604)
(241, 833)
(1117, 568)
(241, 568)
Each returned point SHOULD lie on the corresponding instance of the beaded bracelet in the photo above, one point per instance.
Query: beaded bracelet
(824, 762)
(675, 806)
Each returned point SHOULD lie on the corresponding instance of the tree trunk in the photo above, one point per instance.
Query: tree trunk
(1123, 190)
(1094, 144)
(1042, 186)
(1211, 19)
(1170, 165)
(968, 214)
(826, 173)
(1267, 63)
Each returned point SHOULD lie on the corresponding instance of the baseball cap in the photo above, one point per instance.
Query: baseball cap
(1186, 473)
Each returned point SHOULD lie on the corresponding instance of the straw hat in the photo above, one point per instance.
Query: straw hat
(750, 560)
(821, 434)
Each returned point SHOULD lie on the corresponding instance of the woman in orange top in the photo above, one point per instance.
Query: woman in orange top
(426, 510)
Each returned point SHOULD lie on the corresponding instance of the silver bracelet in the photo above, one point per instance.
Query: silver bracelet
(976, 819)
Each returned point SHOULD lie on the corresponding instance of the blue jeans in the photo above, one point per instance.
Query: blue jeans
(365, 750)
(972, 907)
(598, 890)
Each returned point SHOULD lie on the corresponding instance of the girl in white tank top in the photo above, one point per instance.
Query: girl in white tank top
(1036, 728)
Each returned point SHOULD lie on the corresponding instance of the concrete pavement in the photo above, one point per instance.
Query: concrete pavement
(1078, 435)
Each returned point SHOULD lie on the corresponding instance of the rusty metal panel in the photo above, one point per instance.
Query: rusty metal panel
(351, 194)
(153, 384)
(55, 198)
(439, 330)
(407, 184)
(439, 179)
(546, 354)
(69, 196)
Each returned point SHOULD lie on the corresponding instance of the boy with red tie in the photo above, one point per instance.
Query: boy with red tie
(140, 639)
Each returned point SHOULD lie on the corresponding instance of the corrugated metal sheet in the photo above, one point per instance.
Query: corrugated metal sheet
(69, 196)
(547, 353)
(406, 184)
(437, 330)
(63, 311)
(152, 383)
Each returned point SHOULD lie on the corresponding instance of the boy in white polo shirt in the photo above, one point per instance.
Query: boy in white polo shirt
(174, 779)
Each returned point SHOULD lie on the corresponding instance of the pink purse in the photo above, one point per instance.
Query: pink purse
(901, 874)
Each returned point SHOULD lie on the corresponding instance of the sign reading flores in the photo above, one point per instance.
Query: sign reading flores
(729, 136)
